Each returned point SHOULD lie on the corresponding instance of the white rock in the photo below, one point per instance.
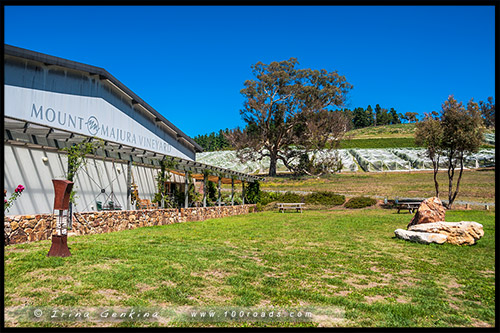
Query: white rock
(458, 233)
(420, 237)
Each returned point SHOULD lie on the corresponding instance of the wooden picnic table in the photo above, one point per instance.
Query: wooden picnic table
(282, 206)
(412, 206)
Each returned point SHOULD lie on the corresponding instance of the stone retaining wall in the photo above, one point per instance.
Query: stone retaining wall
(29, 228)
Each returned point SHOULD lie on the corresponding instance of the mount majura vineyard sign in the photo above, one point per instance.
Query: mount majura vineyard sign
(87, 115)
(94, 128)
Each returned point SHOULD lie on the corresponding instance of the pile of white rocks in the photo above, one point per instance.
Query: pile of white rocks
(428, 226)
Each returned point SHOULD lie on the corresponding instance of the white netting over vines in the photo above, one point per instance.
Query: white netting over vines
(394, 159)
(419, 160)
(227, 159)
(417, 157)
(489, 138)
(379, 160)
(482, 159)
(348, 163)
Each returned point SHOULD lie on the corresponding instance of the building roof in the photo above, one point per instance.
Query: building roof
(103, 75)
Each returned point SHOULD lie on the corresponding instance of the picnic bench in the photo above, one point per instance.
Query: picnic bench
(412, 205)
(282, 206)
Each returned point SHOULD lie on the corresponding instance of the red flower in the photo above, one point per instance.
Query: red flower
(19, 188)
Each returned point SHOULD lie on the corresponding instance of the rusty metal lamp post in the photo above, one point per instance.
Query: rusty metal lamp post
(59, 247)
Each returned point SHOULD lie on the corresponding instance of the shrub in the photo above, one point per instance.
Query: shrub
(267, 197)
(252, 193)
(291, 197)
(360, 202)
(325, 198)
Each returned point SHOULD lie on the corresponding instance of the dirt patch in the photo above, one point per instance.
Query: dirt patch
(169, 283)
(111, 295)
(329, 274)
(43, 290)
(407, 272)
(216, 274)
(13, 249)
(373, 299)
(452, 283)
(375, 269)
(210, 295)
(65, 278)
(342, 293)
(402, 300)
(355, 282)
(488, 273)
(145, 287)
(20, 300)
(479, 323)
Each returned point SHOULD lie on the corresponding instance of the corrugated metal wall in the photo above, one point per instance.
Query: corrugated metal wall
(23, 165)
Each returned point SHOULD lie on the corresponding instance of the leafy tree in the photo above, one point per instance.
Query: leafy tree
(369, 117)
(252, 193)
(213, 141)
(384, 117)
(411, 117)
(212, 191)
(378, 111)
(394, 117)
(403, 117)
(455, 134)
(429, 133)
(349, 115)
(463, 134)
(360, 118)
(488, 112)
(323, 129)
(279, 108)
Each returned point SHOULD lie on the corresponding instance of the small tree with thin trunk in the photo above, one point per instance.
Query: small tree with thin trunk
(429, 133)
(457, 133)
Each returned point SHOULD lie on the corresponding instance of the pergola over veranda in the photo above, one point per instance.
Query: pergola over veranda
(19, 132)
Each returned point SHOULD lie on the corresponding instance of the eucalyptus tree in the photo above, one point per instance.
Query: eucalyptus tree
(279, 110)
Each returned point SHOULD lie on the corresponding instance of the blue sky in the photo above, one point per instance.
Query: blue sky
(190, 63)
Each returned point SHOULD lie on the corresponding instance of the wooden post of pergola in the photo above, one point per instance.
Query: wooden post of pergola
(205, 176)
(232, 191)
(243, 191)
(218, 188)
(186, 189)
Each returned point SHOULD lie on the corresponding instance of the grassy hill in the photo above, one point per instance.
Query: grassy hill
(386, 131)
(388, 136)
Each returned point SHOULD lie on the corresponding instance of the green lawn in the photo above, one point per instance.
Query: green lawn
(341, 258)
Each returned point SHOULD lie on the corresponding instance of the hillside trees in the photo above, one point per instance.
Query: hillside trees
(282, 105)
(411, 117)
(488, 112)
(454, 133)
(394, 117)
(361, 117)
(213, 141)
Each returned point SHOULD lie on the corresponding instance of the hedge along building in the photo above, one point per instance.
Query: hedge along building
(52, 103)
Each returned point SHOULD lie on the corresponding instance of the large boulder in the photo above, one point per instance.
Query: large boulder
(458, 233)
(420, 237)
(430, 210)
